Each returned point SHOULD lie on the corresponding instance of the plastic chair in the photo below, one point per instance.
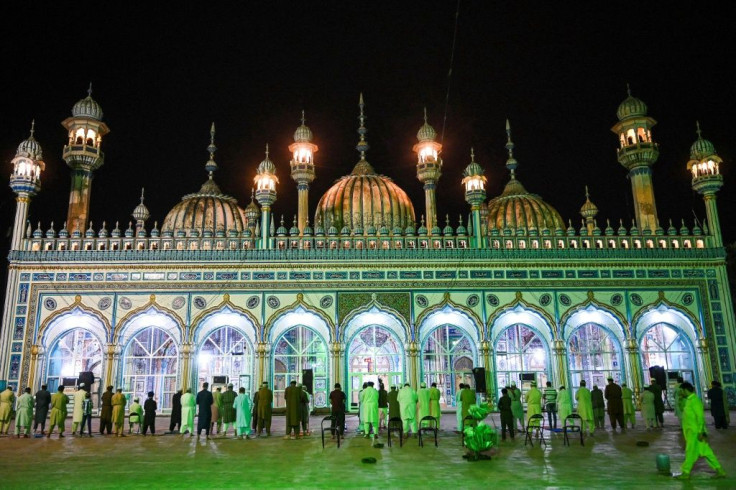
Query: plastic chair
(395, 424)
(535, 422)
(573, 423)
(333, 430)
(468, 421)
(431, 426)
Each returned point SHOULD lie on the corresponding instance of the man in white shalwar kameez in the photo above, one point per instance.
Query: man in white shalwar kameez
(408, 405)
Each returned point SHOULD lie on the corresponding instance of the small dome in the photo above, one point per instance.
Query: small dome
(700, 150)
(631, 107)
(252, 212)
(206, 210)
(517, 208)
(87, 107)
(364, 198)
(30, 148)
(140, 213)
(266, 165)
(588, 210)
(426, 132)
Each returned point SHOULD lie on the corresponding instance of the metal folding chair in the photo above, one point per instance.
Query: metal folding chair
(573, 423)
(333, 430)
(395, 424)
(431, 426)
(536, 422)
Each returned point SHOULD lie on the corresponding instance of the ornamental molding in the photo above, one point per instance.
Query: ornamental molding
(150, 305)
(383, 308)
(226, 303)
(591, 301)
(464, 310)
(76, 305)
(299, 303)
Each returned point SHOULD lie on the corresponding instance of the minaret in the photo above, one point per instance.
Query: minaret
(429, 168)
(589, 212)
(637, 153)
(707, 180)
(266, 181)
(84, 156)
(140, 214)
(475, 193)
(302, 169)
(25, 182)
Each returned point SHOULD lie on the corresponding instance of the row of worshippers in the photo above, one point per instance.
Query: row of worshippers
(377, 406)
(216, 412)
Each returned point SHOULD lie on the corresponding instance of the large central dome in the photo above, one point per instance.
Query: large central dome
(363, 199)
(518, 208)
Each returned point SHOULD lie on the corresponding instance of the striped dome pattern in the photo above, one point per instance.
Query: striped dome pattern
(207, 210)
(517, 208)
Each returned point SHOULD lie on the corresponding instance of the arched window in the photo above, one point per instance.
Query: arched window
(666, 346)
(75, 351)
(593, 354)
(226, 352)
(521, 357)
(151, 363)
(448, 358)
(373, 353)
(300, 348)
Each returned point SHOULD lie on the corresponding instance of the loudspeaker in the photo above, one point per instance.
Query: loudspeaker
(658, 373)
(219, 380)
(69, 381)
(88, 378)
(308, 379)
(479, 374)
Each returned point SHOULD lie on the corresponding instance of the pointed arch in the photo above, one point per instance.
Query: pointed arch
(592, 311)
(375, 313)
(298, 312)
(91, 319)
(520, 311)
(663, 311)
(226, 313)
(149, 315)
(435, 315)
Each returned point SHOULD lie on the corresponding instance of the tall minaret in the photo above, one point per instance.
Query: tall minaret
(429, 168)
(707, 181)
(84, 156)
(302, 169)
(475, 193)
(141, 214)
(25, 182)
(637, 153)
(266, 181)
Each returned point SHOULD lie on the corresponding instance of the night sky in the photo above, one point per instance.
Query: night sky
(557, 70)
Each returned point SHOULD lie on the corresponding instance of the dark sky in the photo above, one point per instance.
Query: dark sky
(558, 70)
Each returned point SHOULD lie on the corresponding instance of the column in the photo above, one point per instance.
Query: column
(8, 323)
(412, 354)
(110, 351)
(633, 363)
(337, 351)
(430, 204)
(35, 351)
(303, 205)
(187, 350)
(262, 355)
(706, 372)
(559, 358)
(714, 223)
(486, 355)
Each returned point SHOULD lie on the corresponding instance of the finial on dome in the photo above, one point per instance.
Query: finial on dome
(266, 151)
(362, 145)
(33, 127)
(211, 165)
(697, 130)
(587, 194)
(472, 154)
(628, 89)
(303, 118)
(89, 90)
(425, 115)
(511, 162)
(143, 190)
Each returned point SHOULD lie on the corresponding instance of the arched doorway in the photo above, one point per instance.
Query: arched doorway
(374, 352)
(668, 347)
(151, 363)
(521, 356)
(300, 348)
(593, 354)
(76, 350)
(448, 357)
(226, 352)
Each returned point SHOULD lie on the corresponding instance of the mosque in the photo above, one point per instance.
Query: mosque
(365, 285)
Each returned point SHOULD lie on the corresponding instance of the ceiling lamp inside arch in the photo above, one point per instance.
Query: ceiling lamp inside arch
(364, 198)
(208, 210)
(518, 208)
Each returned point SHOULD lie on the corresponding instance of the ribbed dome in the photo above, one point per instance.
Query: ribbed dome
(426, 133)
(87, 107)
(516, 207)
(364, 198)
(30, 148)
(303, 134)
(631, 107)
(206, 210)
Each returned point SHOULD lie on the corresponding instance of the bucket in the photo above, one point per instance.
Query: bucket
(663, 464)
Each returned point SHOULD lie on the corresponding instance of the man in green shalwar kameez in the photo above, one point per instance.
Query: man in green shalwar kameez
(434, 402)
(24, 413)
(242, 414)
(627, 396)
(408, 404)
(517, 409)
(188, 408)
(7, 398)
(423, 401)
(225, 409)
(696, 437)
(59, 401)
(370, 410)
(585, 408)
(118, 412)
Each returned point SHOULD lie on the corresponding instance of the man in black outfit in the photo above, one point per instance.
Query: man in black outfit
(106, 412)
(175, 423)
(149, 416)
(43, 400)
(337, 402)
(204, 404)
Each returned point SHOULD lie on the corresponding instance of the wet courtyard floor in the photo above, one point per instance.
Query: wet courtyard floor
(607, 460)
